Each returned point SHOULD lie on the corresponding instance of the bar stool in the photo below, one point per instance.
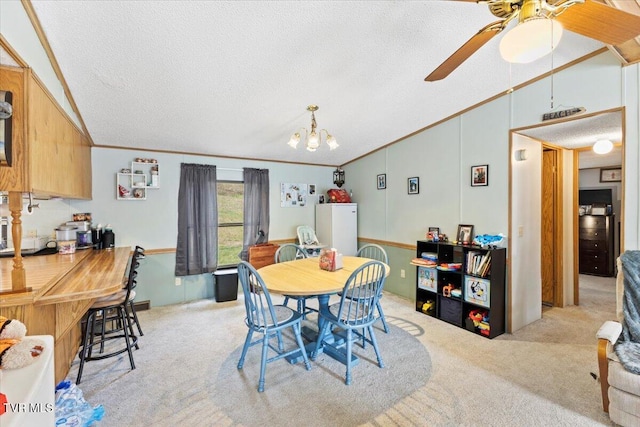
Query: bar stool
(130, 307)
(110, 310)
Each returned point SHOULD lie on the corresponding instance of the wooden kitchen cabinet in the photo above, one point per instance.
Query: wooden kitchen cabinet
(50, 154)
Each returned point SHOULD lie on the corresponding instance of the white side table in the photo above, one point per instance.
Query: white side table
(30, 391)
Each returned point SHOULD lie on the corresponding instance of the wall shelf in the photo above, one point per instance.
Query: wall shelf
(132, 184)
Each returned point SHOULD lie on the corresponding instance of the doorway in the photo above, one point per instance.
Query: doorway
(570, 139)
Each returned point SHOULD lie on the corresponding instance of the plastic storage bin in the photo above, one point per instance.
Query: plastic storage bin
(225, 284)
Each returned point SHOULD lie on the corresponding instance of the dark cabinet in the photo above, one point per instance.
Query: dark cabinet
(596, 250)
(462, 285)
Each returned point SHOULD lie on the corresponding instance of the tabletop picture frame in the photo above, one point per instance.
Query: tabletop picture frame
(480, 176)
(413, 185)
(433, 234)
(381, 181)
(464, 234)
(611, 174)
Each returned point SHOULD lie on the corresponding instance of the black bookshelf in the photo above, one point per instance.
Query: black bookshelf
(471, 297)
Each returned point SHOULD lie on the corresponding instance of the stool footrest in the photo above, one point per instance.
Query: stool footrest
(133, 341)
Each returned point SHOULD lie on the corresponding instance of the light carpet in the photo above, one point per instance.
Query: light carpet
(323, 386)
(186, 374)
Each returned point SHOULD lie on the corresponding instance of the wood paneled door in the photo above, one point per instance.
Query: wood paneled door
(550, 227)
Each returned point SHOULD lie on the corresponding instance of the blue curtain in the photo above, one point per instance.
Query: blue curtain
(197, 247)
(256, 209)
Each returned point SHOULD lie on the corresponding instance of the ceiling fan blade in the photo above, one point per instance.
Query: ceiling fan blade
(465, 51)
(600, 22)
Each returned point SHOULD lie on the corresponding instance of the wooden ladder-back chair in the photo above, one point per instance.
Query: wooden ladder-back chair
(291, 252)
(267, 319)
(378, 253)
(356, 313)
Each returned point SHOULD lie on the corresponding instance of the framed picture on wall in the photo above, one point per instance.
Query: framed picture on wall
(413, 185)
(382, 181)
(610, 174)
(479, 175)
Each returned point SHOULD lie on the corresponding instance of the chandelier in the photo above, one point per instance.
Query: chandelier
(314, 138)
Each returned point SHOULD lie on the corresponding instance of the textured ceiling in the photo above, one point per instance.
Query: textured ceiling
(234, 78)
(582, 132)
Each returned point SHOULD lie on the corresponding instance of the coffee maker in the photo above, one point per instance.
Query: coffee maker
(108, 238)
(96, 237)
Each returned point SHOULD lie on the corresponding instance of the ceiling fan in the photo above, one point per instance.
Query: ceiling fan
(589, 18)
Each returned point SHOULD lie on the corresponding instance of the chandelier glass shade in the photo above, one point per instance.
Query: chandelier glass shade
(312, 139)
(530, 40)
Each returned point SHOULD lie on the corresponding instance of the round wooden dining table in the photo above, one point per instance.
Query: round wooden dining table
(304, 277)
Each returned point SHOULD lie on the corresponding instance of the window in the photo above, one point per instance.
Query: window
(230, 220)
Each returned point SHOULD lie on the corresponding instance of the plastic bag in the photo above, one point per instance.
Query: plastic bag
(72, 409)
(486, 240)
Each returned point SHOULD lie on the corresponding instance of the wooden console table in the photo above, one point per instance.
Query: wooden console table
(261, 255)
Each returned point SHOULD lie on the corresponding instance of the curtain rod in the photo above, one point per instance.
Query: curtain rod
(230, 169)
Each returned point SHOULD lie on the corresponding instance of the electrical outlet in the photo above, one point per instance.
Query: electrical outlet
(520, 231)
(32, 233)
(402, 275)
(178, 281)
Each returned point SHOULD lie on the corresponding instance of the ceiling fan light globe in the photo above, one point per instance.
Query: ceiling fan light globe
(602, 146)
(530, 40)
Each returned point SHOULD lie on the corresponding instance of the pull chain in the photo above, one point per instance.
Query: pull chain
(552, 70)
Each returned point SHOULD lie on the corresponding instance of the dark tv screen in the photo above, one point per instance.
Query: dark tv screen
(595, 197)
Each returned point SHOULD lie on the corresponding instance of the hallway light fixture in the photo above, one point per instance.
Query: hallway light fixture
(313, 139)
(531, 39)
(338, 177)
(602, 146)
(520, 155)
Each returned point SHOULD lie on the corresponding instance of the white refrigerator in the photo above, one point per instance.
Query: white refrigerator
(337, 226)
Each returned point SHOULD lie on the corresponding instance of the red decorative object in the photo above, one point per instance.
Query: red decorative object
(337, 195)
(123, 191)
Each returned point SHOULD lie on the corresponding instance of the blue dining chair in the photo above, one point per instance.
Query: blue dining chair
(290, 252)
(378, 253)
(354, 314)
(267, 319)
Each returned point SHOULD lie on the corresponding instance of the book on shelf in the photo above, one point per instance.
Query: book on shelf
(428, 278)
(478, 262)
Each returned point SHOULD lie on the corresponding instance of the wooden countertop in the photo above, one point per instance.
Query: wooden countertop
(57, 278)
